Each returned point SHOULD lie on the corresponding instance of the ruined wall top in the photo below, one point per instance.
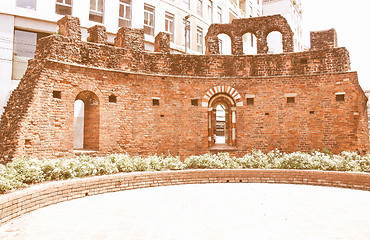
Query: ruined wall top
(70, 27)
(260, 27)
(323, 39)
(128, 52)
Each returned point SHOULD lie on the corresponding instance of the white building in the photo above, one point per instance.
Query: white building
(292, 11)
(25, 21)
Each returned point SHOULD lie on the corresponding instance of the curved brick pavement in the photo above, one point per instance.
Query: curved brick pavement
(207, 211)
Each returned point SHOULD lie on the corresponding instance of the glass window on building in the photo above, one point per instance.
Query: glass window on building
(63, 7)
(200, 7)
(96, 11)
(29, 4)
(199, 39)
(24, 49)
(219, 15)
(148, 19)
(124, 13)
(187, 3)
(169, 25)
(210, 10)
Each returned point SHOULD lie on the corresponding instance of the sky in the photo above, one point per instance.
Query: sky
(351, 20)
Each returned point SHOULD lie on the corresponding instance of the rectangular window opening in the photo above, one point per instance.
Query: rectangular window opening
(124, 19)
(250, 101)
(304, 61)
(29, 4)
(290, 99)
(200, 7)
(63, 7)
(57, 94)
(149, 20)
(155, 101)
(112, 99)
(96, 13)
(195, 102)
(219, 15)
(210, 10)
(199, 39)
(169, 25)
(24, 49)
(339, 97)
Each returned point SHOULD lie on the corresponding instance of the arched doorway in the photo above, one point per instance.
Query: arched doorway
(86, 121)
(222, 120)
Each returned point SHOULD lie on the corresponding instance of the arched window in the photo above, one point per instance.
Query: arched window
(249, 44)
(224, 44)
(275, 42)
(86, 121)
(222, 120)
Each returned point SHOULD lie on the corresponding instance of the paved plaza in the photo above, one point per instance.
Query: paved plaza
(207, 211)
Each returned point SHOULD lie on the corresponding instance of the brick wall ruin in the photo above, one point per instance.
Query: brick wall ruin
(160, 103)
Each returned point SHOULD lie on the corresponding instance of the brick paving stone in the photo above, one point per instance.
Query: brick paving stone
(203, 211)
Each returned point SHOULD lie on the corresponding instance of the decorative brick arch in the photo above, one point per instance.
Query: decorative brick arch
(222, 89)
(230, 98)
(260, 26)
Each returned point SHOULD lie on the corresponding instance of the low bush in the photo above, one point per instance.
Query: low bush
(24, 171)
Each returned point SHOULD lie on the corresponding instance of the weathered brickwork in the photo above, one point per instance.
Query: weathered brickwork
(146, 103)
(324, 39)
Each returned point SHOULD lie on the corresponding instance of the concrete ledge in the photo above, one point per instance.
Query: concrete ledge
(17, 203)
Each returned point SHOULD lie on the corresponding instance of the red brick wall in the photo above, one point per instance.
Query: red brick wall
(315, 121)
(37, 124)
(15, 204)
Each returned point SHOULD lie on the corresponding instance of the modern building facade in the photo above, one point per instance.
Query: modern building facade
(291, 10)
(187, 21)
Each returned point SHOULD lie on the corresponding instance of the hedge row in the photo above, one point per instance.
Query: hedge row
(25, 171)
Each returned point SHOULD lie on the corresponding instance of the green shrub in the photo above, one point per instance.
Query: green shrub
(24, 171)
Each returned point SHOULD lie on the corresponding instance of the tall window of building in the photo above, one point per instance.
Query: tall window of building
(24, 49)
(169, 26)
(199, 39)
(200, 7)
(186, 35)
(210, 10)
(29, 4)
(96, 11)
(124, 19)
(148, 19)
(63, 7)
(219, 15)
(187, 3)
